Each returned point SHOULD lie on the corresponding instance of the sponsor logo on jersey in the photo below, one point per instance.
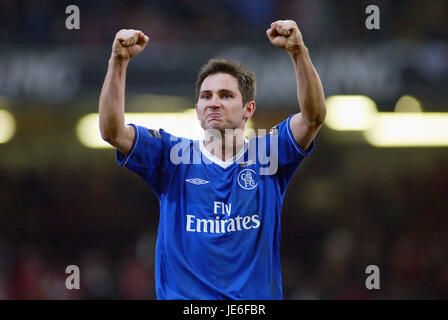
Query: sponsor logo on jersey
(247, 179)
(197, 181)
(217, 225)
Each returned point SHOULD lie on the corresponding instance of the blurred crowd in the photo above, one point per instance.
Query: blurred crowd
(43, 22)
(104, 221)
(100, 222)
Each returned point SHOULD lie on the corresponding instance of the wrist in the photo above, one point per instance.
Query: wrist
(298, 50)
(118, 61)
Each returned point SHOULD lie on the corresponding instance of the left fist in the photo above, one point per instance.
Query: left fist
(285, 34)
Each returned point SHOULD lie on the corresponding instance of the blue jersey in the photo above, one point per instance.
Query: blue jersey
(219, 228)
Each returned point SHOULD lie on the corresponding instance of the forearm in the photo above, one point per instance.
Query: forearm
(310, 92)
(111, 104)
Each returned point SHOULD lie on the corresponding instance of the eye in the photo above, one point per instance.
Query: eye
(227, 95)
(205, 96)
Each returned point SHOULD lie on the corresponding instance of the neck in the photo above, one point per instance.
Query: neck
(226, 145)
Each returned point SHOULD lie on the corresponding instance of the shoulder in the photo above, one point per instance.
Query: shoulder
(163, 135)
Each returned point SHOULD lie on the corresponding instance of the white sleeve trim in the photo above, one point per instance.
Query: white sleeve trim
(294, 142)
(134, 146)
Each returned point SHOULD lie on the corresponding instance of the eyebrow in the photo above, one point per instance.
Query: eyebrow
(219, 91)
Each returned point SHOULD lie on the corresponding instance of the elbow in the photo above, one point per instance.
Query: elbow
(322, 114)
(107, 134)
(109, 128)
(107, 138)
(321, 118)
(318, 118)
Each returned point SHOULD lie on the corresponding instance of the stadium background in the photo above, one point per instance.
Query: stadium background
(349, 205)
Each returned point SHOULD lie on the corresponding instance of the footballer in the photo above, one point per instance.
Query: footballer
(220, 197)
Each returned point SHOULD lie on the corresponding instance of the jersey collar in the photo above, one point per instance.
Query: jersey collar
(219, 162)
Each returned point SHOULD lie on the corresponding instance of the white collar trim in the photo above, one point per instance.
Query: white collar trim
(219, 162)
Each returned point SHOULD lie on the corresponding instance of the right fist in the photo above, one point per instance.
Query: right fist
(128, 43)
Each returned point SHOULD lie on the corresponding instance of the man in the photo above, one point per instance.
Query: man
(219, 229)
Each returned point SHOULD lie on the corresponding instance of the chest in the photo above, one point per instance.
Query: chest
(220, 191)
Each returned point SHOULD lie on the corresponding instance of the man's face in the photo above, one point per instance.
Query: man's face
(220, 103)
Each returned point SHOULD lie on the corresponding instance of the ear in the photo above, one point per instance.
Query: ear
(249, 109)
(196, 107)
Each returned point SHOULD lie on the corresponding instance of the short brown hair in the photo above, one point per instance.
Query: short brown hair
(245, 76)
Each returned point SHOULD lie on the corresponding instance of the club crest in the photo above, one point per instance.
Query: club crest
(247, 179)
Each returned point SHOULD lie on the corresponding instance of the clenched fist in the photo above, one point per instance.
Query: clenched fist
(286, 35)
(128, 43)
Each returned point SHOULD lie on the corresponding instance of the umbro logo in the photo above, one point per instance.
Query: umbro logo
(197, 181)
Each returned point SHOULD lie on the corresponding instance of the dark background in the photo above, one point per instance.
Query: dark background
(349, 205)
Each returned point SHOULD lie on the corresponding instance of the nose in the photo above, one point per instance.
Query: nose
(214, 102)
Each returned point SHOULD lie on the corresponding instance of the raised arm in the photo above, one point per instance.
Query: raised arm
(127, 44)
(304, 125)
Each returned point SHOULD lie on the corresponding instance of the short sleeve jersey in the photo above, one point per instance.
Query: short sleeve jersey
(219, 227)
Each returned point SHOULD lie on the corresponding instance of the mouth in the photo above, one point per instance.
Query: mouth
(214, 115)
